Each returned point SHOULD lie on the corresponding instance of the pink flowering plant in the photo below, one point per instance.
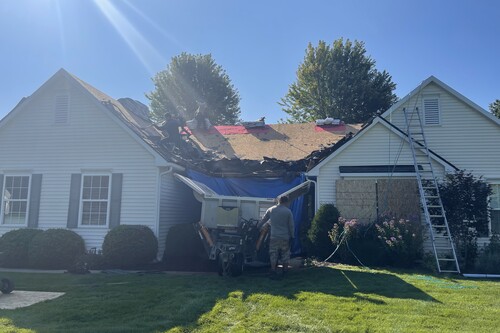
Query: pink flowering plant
(342, 230)
(401, 239)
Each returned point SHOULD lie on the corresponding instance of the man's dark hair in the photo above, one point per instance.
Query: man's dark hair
(283, 200)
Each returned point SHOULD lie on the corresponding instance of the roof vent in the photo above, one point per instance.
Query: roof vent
(61, 109)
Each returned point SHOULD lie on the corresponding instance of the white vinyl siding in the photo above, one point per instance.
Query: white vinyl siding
(94, 206)
(431, 110)
(90, 141)
(378, 146)
(466, 137)
(15, 201)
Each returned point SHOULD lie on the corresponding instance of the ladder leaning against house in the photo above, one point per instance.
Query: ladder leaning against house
(430, 199)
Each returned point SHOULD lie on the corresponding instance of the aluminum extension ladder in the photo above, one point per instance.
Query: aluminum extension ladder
(430, 199)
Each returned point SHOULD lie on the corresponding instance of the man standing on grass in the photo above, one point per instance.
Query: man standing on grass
(281, 221)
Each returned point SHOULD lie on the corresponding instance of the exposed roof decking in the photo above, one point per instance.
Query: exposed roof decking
(286, 142)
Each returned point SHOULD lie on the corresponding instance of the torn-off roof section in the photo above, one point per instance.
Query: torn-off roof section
(286, 142)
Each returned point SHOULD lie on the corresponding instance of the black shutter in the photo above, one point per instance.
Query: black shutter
(34, 205)
(115, 200)
(1, 195)
(74, 200)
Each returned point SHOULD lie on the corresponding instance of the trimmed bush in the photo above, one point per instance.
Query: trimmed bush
(14, 247)
(129, 246)
(55, 249)
(319, 243)
(489, 259)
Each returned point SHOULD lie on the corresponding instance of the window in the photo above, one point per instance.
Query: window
(95, 200)
(495, 208)
(15, 200)
(432, 115)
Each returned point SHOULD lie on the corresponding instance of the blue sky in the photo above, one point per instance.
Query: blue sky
(118, 46)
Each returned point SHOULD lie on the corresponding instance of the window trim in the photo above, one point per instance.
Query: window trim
(28, 198)
(430, 97)
(108, 200)
(496, 183)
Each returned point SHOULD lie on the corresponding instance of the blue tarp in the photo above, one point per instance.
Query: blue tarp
(257, 187)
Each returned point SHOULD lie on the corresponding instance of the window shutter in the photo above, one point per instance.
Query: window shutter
(115, 200)
(1, 196)
(74, 200)
(431, 111)
(34, 205)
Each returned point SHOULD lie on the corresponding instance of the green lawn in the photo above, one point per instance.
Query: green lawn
(340, 299)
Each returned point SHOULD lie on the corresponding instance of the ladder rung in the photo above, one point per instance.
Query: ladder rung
(433, 206)
(445, 259)
(438, 226)
(441, 271)
(431, 196)
(439, 216)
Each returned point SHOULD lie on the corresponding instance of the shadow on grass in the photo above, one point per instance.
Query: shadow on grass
(159, 302)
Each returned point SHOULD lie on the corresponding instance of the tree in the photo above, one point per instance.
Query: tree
(338, 81)
(190, 80)
(495, 108)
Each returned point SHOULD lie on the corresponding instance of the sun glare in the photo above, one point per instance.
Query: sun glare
(142, 49)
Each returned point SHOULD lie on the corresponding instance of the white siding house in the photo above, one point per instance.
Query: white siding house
(70, 157)
(459, 133)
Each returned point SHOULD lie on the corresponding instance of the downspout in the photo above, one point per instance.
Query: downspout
(483, 276)
(171, 167)
(316, 197)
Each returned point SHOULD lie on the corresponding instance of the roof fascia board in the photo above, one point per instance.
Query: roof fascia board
(394, 129)
(159, 160)
(315, 171)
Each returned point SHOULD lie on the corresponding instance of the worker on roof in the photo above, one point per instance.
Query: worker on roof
(280, 218)
(170, 129)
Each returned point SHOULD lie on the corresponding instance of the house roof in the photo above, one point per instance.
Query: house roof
(286, 142)
(272, 150)
(269, 151)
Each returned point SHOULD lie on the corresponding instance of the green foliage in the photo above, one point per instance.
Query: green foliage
(495, 108)
(338, 81)
(55, 249)
(191, 79)
(489, 259)
(356, 243)
(324, 220)
(129, 246)
(402, 241)
(465, 200)
(14, 247)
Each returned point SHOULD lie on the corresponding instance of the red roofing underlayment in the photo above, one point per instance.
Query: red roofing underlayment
(330, 128)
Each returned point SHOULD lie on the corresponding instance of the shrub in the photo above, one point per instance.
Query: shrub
(320, 244)
(14, 247)
(358, 243)
(55, 249)
(402, 241)
(489, 259)
(465, 200)
(129, 246)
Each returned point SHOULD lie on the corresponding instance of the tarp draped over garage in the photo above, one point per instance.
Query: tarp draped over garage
(260, 188)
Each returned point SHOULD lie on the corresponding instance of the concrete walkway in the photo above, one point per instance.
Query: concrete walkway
(21, 299)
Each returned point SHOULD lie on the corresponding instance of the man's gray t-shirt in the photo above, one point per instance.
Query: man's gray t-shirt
(281, 222)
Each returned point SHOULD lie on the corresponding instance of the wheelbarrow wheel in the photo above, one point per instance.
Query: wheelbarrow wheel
(236, 266)
(7, 286)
